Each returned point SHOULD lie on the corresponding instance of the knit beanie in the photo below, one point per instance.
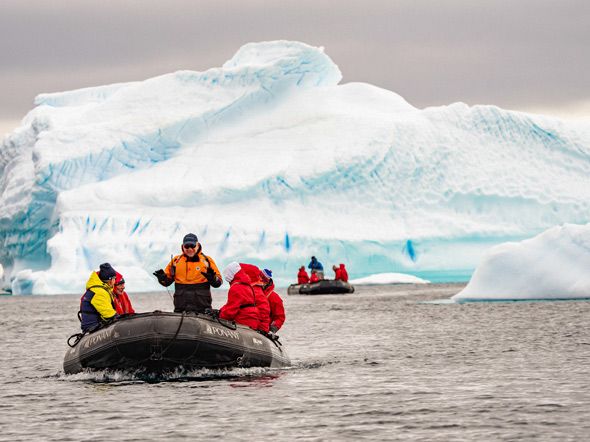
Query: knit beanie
(230, 271)
(106, 272)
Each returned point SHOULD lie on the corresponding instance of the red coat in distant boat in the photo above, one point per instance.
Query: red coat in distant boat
(240, 306)
(253, 273)
(342, 274)
(277, 310)
(302, 276)
(314, 277)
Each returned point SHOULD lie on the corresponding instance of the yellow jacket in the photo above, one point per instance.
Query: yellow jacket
(102, 300)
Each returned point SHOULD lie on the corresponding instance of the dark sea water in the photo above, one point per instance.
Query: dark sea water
(380, 364)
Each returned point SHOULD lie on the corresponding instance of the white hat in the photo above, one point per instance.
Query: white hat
(230, 271)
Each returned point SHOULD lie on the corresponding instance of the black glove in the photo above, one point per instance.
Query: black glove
(274, 328)
(212, 277)
(162, 278)
(214, 313)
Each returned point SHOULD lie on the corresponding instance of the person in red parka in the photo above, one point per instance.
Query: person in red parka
(277, 310)
(122, 303)
(314, 277)
(241, 302)
(336, 272)
(253, 273)
(302, 276)
(343, 274)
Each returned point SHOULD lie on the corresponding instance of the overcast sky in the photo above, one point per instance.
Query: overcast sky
(531, 55)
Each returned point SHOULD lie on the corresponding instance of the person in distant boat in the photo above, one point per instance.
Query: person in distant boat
(97, 304)
(241, 302)
(314, 277)
(277, 310)
(336, 272)
(122, 303)
(314, 264)
(261, 301)
(302, 276)
(193, 274)
(341, 273)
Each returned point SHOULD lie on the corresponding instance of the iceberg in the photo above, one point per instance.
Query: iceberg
(551, 265)
(270, 159)
(389, 278)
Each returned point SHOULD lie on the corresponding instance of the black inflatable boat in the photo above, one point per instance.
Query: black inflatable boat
(322, 287)
(158, 342)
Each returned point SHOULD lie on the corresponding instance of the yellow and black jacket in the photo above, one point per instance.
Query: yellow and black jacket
(97, 304)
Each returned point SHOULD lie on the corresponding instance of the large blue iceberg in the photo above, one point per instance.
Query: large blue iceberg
(270, 160)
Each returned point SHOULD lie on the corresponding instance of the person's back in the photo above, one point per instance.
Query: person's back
(343, 273)
(241, 304)
(261, 300)
(314, 277)
(302, 276)
(277, 309)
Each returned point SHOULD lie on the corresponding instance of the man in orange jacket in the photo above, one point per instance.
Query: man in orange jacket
(193, 274)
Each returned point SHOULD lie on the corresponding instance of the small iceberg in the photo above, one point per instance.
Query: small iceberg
(550, 266)
(389, 278)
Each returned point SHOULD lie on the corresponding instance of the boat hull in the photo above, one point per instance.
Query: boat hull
(160, 341)
(323, 287)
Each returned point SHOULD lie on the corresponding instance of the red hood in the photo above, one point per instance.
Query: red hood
(241, 277)
(252, 271)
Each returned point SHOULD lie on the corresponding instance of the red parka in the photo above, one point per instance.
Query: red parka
(342, 274)
(314, 278)
(241, 304)
(122, 303)
(302, 276)
(277, 310)
(253, 273)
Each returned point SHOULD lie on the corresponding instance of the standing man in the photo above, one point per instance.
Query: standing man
(193, 274)
(314, 264)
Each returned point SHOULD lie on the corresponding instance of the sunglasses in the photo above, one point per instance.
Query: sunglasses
(190, 246)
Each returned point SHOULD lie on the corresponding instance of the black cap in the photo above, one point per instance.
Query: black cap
(106, 272)
(190, 238)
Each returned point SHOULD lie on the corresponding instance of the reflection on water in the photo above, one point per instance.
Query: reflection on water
(385, 363)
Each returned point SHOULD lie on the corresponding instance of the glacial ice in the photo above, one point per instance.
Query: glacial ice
(269, 159)
(552, 265)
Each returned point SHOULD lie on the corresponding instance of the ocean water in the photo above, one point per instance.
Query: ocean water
(380, 364)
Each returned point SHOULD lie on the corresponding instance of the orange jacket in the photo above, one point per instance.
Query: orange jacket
(188, 270)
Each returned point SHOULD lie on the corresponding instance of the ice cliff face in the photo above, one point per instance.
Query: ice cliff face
(268, 159)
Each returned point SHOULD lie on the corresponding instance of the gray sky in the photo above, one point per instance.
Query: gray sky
(530, 55)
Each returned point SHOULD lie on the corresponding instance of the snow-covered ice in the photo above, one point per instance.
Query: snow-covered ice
(269, 159)
(389, 278)
(552, 265)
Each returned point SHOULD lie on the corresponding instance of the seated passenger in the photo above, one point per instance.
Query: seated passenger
(241, 304)
(336, 272)
(314, 277)
(302, 276)
(277, 310)
(122, 303)
(261, 301)
(343, 273)
(97, 304)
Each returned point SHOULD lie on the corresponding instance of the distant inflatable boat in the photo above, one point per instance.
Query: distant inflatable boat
(323, 287)
(158, 342)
